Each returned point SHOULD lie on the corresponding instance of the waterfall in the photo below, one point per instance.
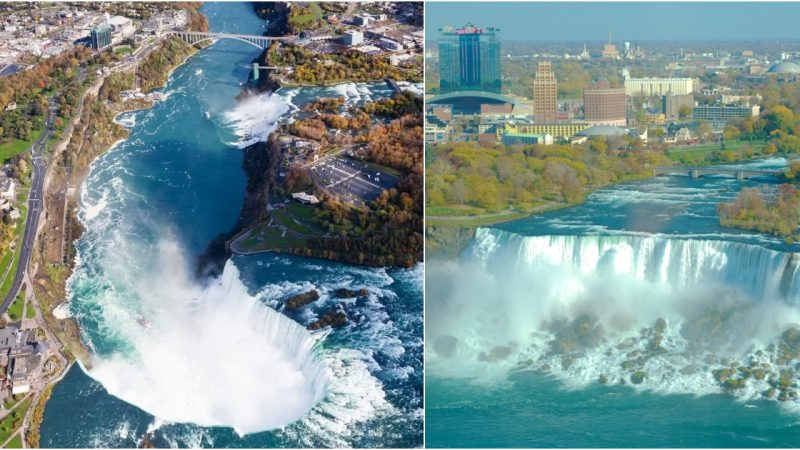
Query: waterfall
(673, 311)
(211, 355)
(679, 263)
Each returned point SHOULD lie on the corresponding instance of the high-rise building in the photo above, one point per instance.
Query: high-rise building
(545, 90)
(469, 59)
(101, 36)
(604, 105)
(649, 87)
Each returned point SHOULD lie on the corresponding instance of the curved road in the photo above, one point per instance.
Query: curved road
(35, 202)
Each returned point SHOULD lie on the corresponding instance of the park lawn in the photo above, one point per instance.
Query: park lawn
(264, 238)
(18, 146)
(15, 442)
(472, 222)
(18, 231)
(15, 310)
(30, 311)
(12, 422)
(706, 149)
(126, 50)
(454, 211)
(12, 400)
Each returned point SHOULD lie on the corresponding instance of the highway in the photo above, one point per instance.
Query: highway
(35, 204)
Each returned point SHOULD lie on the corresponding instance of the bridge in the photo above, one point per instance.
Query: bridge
(195, 37)
(697, 172)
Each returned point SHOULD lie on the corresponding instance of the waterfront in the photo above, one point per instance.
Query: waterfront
(634, 307)
(151, 206)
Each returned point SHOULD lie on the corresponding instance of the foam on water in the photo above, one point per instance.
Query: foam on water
(585, 308)
(254, 118)
(210, 355)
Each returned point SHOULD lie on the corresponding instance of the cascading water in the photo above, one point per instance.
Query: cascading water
(667, 314)
(211, 355)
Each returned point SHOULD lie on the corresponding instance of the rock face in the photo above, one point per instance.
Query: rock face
(445, 345)
(347, 293)
(497, 353)
(334, 317)
(300, 300)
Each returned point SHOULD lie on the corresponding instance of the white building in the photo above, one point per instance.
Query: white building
(7, 188)
(121, 26)
(361, 21)
(352, 37)
(390, 44)
(649, 87)
(302, 197)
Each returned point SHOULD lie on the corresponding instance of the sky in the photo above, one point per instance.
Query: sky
(628, 21)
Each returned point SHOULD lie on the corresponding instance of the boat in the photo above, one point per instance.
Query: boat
(208, 115)
(143, 322)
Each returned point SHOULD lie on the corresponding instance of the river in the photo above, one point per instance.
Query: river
(615, 323)
(214, 363)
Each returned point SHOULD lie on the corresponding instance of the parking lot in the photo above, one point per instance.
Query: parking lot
(350, 179)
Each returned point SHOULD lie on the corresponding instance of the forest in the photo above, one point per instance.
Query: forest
(776, 213)
(522, 176)
(389, 230)
(318, 69)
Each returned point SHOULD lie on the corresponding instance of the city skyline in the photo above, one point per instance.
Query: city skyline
(589, 21)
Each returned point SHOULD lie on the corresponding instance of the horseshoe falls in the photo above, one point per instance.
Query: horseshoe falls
(217, 362)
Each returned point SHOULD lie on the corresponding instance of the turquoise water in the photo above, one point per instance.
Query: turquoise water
(536, 411)
(535, 334)
(215, 363)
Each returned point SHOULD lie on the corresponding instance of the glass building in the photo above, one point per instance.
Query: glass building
(101, 36)
(469, 59)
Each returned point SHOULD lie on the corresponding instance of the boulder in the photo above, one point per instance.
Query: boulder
(445, 345)
(348, 293)
(637, 377)
(333, 317)
(300, 300)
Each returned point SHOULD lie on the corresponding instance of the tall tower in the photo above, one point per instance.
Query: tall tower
(469, 59)
(545, 90)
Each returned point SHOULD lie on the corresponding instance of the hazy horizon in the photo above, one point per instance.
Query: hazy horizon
(628, 21)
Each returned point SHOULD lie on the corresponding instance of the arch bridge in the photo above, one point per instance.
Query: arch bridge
(697, 172)
(195, 37)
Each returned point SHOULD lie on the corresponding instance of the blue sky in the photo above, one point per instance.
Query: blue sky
(628, 21)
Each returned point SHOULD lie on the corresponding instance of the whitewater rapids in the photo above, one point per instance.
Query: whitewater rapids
(605, 307)
(211, 355)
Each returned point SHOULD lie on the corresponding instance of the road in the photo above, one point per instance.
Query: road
(35, 203)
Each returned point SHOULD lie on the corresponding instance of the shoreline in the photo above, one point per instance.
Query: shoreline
(73, 349)
(450, 250)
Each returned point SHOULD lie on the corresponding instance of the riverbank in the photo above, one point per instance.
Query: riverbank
(92, 132)
(371, 237)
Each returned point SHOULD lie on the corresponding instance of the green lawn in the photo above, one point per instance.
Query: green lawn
(454, 211)
(263, 238)
(18, 146)
(7, 258)
(30, 311)
(15, 442)
(124, 50)
(15, 310)
(13, 421)
(706, 149)
(12, 400)
(298, 218)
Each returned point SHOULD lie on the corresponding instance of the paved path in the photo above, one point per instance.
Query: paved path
(539, 208)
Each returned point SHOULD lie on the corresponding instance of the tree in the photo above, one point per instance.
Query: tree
(684, 111)
(731, 133)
